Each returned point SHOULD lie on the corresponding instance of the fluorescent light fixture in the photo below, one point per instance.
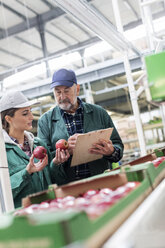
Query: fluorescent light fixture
(24, 75)
(64, 60)
(135, 33)
(86, 14)
(98, 48)
(148, 2)
(159, 24)
(140, 31)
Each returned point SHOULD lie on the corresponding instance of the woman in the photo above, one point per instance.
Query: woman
(27, 174)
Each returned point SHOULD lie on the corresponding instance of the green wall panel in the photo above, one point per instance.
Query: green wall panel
(155, 66)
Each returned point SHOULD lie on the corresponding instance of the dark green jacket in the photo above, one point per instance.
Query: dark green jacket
(22, 183)
(51, 127)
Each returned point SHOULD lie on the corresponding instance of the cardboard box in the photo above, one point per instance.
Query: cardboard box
(155, 174)
(150, 157)
(52, 229)
(98, 182)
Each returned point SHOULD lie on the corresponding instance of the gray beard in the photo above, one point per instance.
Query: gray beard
(66, 106)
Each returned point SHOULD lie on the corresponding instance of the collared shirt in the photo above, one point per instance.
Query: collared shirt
(25, 146)
(74, 124)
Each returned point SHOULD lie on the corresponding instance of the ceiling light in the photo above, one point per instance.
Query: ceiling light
(24, 75)
(64, 60)
(98, 48)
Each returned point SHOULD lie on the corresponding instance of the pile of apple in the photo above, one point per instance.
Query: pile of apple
(156, 162)
(93, 202)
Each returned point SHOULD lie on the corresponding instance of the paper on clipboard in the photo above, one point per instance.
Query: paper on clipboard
(84, 142)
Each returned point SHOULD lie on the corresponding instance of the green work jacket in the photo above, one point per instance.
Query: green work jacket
(51, 128)
(22, 183)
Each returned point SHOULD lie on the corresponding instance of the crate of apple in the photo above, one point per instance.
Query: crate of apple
(93, 202)
(156, 162)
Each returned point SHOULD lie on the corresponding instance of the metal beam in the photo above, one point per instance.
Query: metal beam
(24, 4)
(27, 42)
(14, 11)
(73, 48)
(13, 54)
(129, 6)
(93, 19)
(48, 4)
(65, 31)
(33, 22)
(78, 25)
(112, 104)
(41, 28)
(51, 15)
(57, 37)
(90, 74)
(5, 66)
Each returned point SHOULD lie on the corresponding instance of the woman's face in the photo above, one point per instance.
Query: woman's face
(22, 120)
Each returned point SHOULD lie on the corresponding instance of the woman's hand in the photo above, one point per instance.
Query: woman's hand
(35, 167)
(61, 156)
(102, 147)
(72, 142)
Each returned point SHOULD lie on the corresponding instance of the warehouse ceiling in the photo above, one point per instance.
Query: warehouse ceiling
(42, 35)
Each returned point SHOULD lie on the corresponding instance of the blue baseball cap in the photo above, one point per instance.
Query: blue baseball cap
(63, 77)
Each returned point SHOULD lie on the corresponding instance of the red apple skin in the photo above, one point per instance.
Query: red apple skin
(62, 144)
(158, 161)
(39, 152)
(90, 193)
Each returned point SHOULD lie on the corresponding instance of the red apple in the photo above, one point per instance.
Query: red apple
(68, 198)
(55, 204)
(158, 161)
(62, 144)
(93, 212)
(130, 186)
(31, 209)
(105, 203)
(39, 152)
(81, 202)
(105, 191)
(90, 193)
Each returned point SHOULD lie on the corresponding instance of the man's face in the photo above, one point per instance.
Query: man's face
(66, 97)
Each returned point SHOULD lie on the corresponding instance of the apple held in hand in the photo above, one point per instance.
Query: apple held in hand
(62, 144)
(39, 152)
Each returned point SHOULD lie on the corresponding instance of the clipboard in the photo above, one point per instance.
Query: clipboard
(84, 142)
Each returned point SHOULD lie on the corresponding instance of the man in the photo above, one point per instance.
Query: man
(70, 117)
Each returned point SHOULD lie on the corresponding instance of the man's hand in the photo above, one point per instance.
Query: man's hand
(35, 167)
(61, 156)
(102, 147)
(72, 142)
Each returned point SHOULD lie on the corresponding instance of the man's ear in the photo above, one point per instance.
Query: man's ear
(78, 89)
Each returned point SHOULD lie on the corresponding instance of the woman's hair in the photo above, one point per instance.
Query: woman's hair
(9, 112)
